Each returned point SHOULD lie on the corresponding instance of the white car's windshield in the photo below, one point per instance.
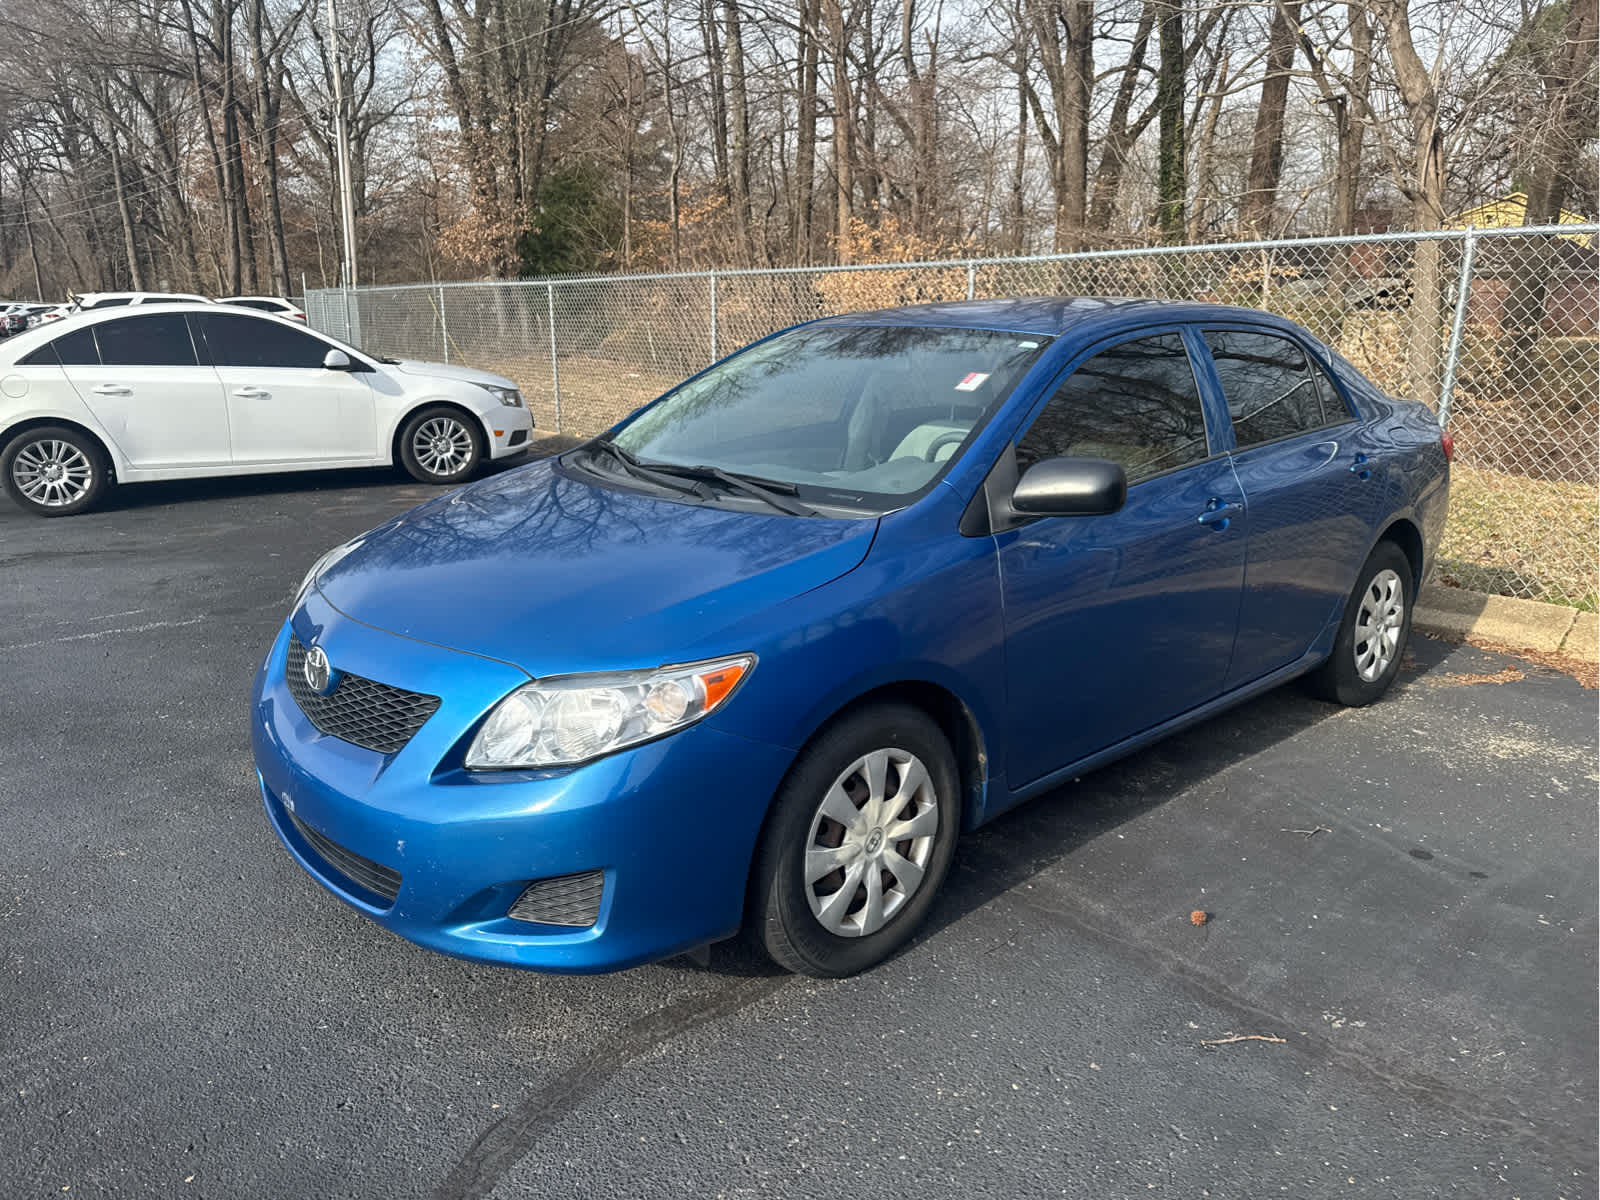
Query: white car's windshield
(866, 413)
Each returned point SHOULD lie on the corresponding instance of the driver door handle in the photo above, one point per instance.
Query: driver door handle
(1218, 513)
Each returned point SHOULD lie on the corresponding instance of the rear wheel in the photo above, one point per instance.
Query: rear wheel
(860, 838)
(440, 445)
(1373, 634)
(54, 471)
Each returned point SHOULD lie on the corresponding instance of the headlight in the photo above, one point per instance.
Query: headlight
(322, 564)
(563, 722)
(510, 397)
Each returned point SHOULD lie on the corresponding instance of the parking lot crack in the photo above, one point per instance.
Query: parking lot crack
(505, 1143)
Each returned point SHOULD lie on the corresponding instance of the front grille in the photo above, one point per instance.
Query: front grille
(363, 872)
(364, 712)
(562, 900)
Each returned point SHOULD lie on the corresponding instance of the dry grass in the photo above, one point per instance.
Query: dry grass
(1522, 537)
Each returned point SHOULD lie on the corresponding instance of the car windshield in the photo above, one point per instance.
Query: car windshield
(863, 415)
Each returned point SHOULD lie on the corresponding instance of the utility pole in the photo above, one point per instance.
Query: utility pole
(347, 202)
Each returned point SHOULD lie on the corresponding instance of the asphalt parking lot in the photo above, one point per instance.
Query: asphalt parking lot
(1405, 895)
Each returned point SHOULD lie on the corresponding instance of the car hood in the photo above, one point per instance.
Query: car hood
(556, 575)
(446, 371)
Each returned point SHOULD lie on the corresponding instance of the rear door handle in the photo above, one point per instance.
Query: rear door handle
(112, 389)
(251, 393)
(1218, 513)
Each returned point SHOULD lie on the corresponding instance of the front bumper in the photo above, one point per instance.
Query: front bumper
(672, 824)
(510, 431)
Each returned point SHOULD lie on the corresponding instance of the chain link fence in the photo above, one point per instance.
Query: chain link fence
(1497, 330)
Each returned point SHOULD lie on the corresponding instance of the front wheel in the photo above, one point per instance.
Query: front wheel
(440, 445)
(860, 838)
(54, 471)
(1372, 636)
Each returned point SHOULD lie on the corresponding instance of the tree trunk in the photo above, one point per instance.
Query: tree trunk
(268, 103)
(739, 129)
(1204, 156)
(1425, 189)
(1351, 127)
(135, 274)
(1172, 177)
(843, 129)
(806, 136)
(1266, 148)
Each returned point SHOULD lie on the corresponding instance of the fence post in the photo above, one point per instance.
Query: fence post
(972, 281)
(1447, 385)
(714, 354)
(444, 327)
(555, 366)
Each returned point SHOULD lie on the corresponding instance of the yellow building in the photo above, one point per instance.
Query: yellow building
(1513, 210)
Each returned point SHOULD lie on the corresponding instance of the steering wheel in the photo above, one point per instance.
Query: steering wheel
(951, 438)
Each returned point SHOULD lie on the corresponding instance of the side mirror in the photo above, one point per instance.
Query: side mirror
(1071, 487)
(336, 360)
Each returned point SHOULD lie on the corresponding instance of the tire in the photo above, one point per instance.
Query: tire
(440, 445)
(1362, 667)
(55, 471)
(831, 927)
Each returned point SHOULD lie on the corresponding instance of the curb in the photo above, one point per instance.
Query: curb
(1529, 624)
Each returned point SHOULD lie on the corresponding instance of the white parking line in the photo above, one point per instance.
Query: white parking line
(84, 637)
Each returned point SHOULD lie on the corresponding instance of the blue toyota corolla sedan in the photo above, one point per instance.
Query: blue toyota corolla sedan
(757, 656)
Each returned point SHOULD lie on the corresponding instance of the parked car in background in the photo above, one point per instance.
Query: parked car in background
(180, 391)
(275, 305)
(759, 654)
(93, 300)
(13, 319)
(43, 314)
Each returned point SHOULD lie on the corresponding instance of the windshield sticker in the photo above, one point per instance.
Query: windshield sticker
(973, 381)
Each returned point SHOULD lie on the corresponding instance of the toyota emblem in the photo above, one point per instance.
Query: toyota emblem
(318, 671)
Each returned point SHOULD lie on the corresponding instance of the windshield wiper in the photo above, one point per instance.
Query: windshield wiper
(632, 466)
(775, 493)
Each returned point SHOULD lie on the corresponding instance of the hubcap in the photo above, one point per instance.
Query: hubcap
(870, 842)
(52, 472)
(1379, 620)
(443, 446)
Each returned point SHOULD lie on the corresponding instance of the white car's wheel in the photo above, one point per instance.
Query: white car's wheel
(54, 471)
(440, 445)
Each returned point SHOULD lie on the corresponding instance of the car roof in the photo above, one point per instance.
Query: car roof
(1053, 315)
(15, 347)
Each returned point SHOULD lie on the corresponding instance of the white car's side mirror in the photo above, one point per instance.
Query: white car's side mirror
(336, 360)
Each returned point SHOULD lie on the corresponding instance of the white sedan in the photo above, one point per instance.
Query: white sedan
(179, 391)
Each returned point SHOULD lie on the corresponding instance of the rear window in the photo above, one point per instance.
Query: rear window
(1270, 387)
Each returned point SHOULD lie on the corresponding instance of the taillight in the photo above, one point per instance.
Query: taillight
(1448, 445)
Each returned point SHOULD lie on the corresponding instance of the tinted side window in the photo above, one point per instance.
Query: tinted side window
(158, 340)
(1269, 387)
(1136, 404)
(240, 341)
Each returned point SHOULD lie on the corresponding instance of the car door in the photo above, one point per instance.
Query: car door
(140, 376)
(1116, 623)
(284, 406)
(1309, 491)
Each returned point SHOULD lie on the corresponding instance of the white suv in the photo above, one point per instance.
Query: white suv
(89, 300)
(177, 391)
